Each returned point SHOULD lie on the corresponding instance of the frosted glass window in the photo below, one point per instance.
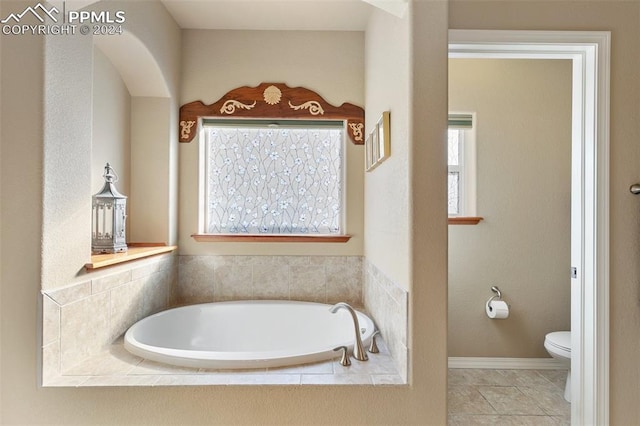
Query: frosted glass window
(274, 180)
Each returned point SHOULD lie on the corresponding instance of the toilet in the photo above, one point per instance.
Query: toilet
(558, 344)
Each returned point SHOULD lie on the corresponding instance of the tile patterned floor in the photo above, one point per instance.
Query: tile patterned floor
(507, 397)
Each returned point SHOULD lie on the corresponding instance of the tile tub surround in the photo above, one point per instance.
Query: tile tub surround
(323, 279)
(388, 305)
(114, 366)
(81, 320)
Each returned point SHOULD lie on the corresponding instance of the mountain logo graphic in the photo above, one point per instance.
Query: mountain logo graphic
(39, 11)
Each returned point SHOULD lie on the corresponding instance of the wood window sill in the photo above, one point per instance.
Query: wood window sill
(465, 220)
(215, 238)
(135, 251)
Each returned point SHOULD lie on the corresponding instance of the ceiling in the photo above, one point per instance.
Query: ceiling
(315, 15)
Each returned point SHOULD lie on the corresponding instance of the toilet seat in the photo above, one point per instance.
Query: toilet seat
(559, 342)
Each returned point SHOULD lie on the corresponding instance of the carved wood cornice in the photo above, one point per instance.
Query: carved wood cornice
(272, 100)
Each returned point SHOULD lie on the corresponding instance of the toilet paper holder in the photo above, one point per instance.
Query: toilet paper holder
(498, 293)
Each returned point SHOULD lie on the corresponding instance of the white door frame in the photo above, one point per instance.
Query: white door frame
(590, 55)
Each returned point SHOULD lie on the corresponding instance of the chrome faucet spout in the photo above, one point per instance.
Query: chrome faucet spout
(358, 351)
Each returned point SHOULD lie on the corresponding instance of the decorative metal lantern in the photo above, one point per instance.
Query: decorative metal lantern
(108, 215)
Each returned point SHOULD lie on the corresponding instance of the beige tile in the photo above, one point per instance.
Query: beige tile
(330, 379)
(264, 379)
(526, 421)
(343, 284)
(526, 378)
(387, 380)
(480, 420)
(270, 282)
(557, 377)
(307, 283)
(98, 381)
(323, 367)
(465, 376)
(71, 294)
(98, 285)
(192, 379)
(156, 292)
(160, 263)
(233, 282)
(195, 279)
(551, 401)
(473, 420)
(297, 260)
(84, 329)
(562, 420)
(467, 400)
(510, 400)
(50, 321)
(50, 362)
(375, 365)
(116, 361)
(66, 381)
(151, 367)
(127, 307)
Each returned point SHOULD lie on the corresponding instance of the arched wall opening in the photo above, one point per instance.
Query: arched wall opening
(147, 130)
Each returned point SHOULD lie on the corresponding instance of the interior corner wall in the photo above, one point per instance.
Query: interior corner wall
(66, 219)
(149, 207)
(153, 201)
(110, 142)
(387, 189)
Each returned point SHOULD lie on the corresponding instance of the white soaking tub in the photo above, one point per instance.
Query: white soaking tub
(245, 334)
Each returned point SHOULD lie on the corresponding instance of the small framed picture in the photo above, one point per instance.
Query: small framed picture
(378, 143)
(368, 153)
(383, 136)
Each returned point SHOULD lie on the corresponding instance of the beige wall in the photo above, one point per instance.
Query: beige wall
(215, 62)
(111, 124)
(623, 20)
(523, 138)
(24, 403)
(387, 187)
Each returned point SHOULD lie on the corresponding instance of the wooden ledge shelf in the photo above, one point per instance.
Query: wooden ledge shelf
(215, 238)
(464, 220)
(135, 251)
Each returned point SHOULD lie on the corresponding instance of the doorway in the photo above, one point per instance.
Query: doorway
(589, 53)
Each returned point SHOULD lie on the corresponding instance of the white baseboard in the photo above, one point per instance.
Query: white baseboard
(506, 363)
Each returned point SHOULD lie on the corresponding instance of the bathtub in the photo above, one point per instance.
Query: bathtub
(245, 334)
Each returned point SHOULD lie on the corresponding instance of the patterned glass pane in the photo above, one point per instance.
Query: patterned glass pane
(454, 139)
(454, 197)
(274, 181)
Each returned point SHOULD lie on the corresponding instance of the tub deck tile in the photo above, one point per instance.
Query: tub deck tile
(117, 367)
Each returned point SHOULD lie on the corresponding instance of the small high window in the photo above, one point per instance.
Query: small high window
(272, 177)
(461, 165)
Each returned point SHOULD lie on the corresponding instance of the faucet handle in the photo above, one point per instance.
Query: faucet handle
(344, 361)
(373, 348)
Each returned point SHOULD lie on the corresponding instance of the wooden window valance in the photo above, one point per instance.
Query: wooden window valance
(272, 100)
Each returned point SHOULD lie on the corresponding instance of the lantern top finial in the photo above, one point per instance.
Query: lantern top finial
(109, 189)
(109, 175)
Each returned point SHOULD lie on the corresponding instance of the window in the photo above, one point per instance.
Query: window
(461, 162)
(273, 178)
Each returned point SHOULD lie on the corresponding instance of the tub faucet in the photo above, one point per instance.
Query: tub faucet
(358, 352)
